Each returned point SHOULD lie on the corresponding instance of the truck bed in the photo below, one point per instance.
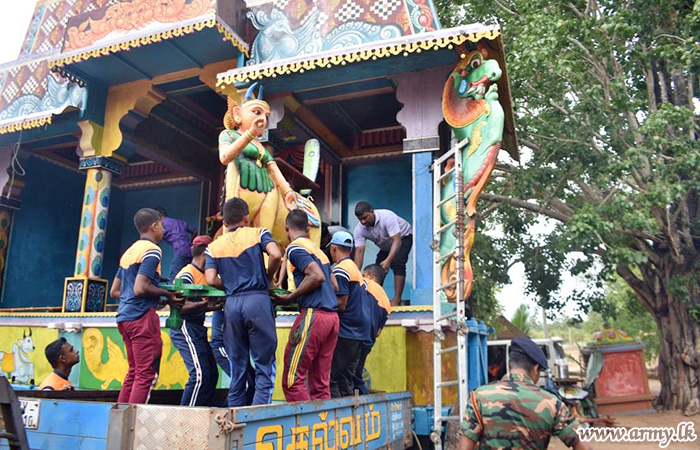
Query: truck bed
(367, 422)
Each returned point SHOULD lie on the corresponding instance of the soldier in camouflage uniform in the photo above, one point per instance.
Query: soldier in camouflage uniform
(515, 413)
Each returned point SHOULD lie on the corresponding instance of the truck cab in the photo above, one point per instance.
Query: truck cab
(499, 362)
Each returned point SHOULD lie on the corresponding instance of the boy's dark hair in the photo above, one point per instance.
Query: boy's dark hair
(377, 272)
(162, 211)
(519, 359)
(145, 217)
(196, 251)
(362, 208)
(298, 220)
(235, 210)
(54, 351)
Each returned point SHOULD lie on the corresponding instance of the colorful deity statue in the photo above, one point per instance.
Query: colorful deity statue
(252, 173)
(471, 108)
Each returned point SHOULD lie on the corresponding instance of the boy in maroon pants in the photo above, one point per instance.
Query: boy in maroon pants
(314, 334)
(136, 286)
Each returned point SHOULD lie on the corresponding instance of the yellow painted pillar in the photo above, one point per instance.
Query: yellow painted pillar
(93, 220)
(86, 291)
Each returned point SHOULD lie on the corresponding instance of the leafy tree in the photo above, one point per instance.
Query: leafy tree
(604, 93)
(631, 317)
(521, 319)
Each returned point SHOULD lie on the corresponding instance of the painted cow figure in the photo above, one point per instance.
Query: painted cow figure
(17, 364)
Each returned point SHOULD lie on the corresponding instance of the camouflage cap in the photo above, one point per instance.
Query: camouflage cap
(531, 350)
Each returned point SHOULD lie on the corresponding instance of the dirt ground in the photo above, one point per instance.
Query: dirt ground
(661, 419)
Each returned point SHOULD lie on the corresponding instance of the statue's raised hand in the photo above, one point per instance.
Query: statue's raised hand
(258, 127)
(290, 200)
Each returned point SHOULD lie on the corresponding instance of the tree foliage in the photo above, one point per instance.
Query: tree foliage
(604, 92)
(521, 319)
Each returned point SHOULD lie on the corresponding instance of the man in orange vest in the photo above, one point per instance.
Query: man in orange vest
(62, 357)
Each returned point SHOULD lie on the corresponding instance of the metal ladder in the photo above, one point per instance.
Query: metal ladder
(458, 316)
(13, 427)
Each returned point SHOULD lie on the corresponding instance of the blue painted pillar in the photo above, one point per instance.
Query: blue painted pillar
(421, 95)
(421, 294)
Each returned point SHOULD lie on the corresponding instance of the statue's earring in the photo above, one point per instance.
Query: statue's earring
(237, 120)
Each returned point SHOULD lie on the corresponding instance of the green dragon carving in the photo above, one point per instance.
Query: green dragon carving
(471, 108)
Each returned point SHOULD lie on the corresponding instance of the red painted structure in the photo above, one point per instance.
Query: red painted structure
(623, 384)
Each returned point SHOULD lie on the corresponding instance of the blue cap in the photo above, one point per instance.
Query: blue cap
(533, 351)
(342, 238)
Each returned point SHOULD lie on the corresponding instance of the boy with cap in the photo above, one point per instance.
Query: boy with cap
(62, 357)
(315, 331)
(237, 257)
(353, 313)
(380, 308)
(191, 338)
(136, 286)
(533, 414)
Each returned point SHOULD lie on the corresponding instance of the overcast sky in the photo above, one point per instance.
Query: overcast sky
(14, 22)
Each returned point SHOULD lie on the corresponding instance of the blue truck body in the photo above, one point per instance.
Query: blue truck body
(364, 422)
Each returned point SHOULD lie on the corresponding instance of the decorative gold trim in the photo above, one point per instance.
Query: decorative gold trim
(150, 39)
(395, 309)
(26, 125)
(360, 55)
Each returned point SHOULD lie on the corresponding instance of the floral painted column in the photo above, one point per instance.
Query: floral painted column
(93, 223)
(86, 291)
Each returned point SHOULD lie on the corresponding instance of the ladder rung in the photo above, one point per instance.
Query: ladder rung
(445, 227)
(444, 257)
(444, 175)
(448, 383)
(448, 349)
(446, 316)
(449, 154)
(442, 202)
(448, 418)
(448, 285)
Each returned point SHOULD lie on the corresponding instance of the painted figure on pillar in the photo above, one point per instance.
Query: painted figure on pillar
(252, 173)
(471, 108)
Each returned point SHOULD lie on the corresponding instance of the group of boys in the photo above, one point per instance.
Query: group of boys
(235, 262)
(341, 314)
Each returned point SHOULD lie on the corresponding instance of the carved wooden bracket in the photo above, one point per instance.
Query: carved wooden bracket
(421, 95)
(140, 96)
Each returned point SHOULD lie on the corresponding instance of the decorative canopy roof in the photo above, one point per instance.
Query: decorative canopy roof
(396, 47)
(69, 36)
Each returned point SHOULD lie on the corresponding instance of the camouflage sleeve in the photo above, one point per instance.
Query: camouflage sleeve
(566, 425)
(471, 427)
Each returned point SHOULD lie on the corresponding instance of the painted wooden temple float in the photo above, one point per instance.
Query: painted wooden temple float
(108, 81)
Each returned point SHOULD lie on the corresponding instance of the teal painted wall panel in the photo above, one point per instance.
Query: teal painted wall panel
(181, 202)
(113, 241)
(385, 186)
(44, 235)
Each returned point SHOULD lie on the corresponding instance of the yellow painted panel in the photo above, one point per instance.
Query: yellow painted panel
(22, 355)
(386, 364)
(104, 363)
(282, 337)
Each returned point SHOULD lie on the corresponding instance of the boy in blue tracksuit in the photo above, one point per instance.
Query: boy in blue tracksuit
(191, 338)
(217, 346)
(353, 313)
(237, 257)
(380, 308)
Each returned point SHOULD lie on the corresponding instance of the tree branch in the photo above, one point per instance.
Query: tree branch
(506, 9)
(639, 287)
(526, 205)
